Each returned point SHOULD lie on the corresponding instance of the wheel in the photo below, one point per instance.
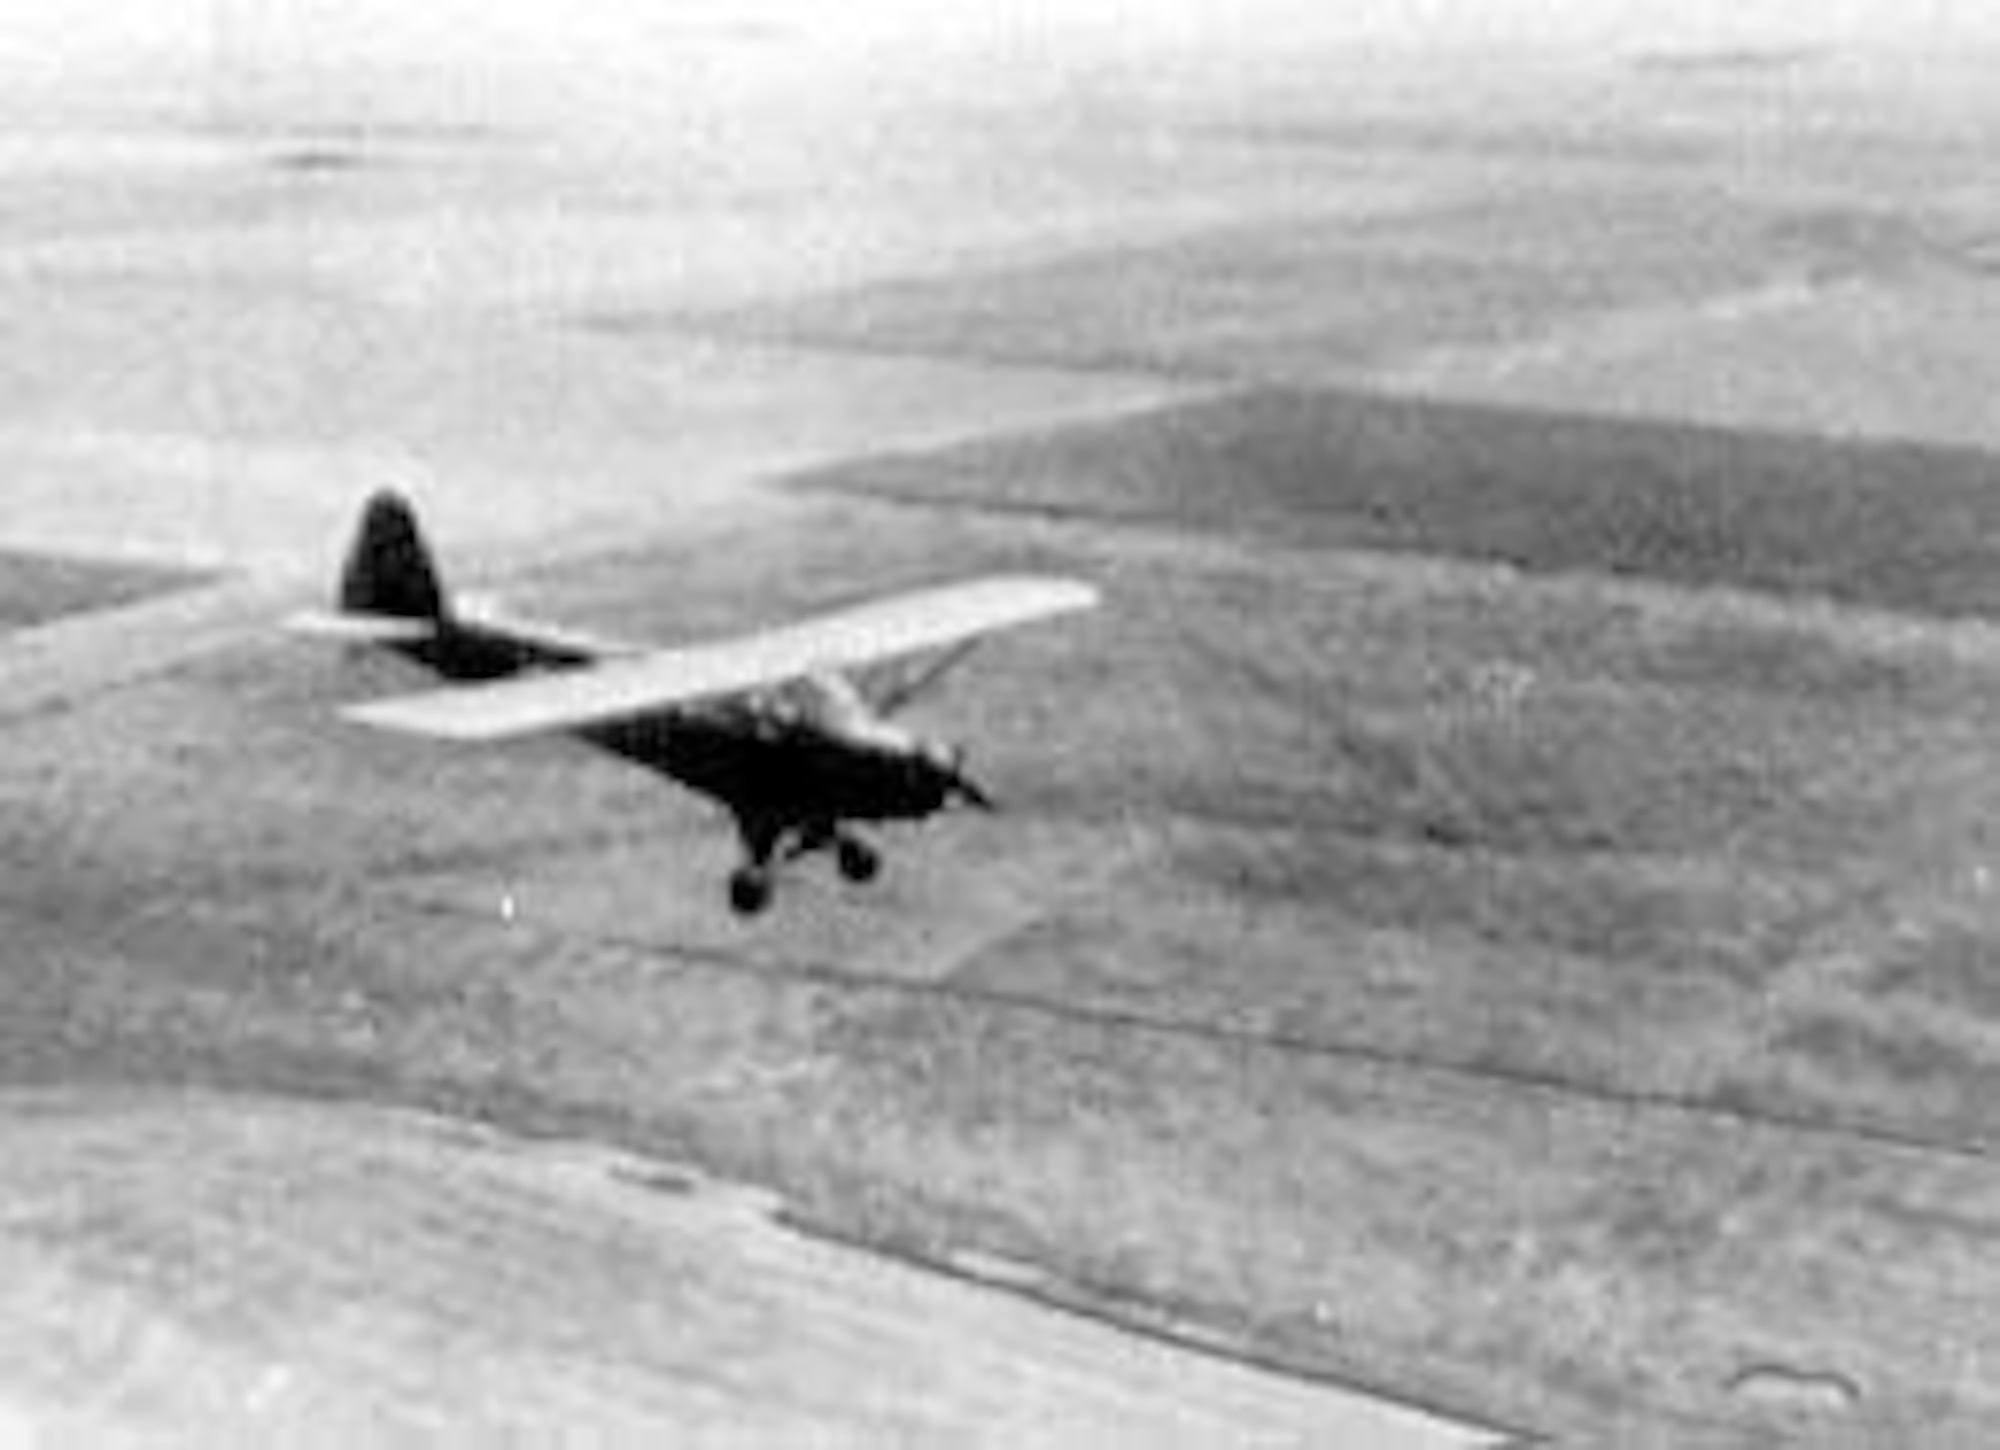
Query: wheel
(749, 891)
(858, 860)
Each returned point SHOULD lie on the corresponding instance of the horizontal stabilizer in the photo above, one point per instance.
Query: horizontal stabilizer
(619, 689)
(484, 612)
(358, 628)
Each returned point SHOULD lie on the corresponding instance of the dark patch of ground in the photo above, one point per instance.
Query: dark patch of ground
(37, 588)
(1894, 527)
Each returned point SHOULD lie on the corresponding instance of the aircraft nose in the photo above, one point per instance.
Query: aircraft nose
(972, 793)
(963, 786)
(948, 762)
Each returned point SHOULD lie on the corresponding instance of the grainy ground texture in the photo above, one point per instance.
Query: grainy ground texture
(1500, 913)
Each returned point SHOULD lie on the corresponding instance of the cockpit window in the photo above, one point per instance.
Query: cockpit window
(831, 703)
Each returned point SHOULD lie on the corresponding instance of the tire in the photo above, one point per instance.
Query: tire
(859, 862)
(749, 891)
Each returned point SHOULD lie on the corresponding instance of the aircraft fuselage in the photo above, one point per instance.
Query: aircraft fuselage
(770, 726)
(776, 768)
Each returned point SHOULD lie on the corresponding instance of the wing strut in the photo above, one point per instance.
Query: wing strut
(904, 692)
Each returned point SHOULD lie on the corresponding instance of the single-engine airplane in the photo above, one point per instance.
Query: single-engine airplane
(774, 726)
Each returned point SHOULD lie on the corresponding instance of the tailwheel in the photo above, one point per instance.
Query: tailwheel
(749, 890)
(858, 860)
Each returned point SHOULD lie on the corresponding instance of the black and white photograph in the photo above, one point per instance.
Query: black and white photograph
(1028, 724)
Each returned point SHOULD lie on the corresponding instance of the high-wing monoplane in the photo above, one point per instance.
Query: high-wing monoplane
(778, 727)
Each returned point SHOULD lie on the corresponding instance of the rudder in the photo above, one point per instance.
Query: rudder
(389, 569)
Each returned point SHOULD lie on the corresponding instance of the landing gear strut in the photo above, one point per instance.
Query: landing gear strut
(751, 885)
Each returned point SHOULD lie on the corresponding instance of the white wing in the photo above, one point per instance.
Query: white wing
(618, 689)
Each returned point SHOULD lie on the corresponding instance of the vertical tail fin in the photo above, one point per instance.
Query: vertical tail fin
(389, 569)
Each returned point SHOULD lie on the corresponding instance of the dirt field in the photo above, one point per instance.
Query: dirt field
(36, 589)
(644, 1303)
(1497, 910)
(1578, 955)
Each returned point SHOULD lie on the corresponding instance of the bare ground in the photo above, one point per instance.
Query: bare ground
(1512, 987)
(1498, 909)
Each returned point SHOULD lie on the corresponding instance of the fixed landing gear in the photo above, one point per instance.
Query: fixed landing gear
(859, 862)
(752, 884)
(749, 890)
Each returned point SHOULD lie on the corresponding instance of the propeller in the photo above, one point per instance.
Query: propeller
(949, 762)
(971, 792)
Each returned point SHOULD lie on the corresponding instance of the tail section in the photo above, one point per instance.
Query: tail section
(389, 573)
